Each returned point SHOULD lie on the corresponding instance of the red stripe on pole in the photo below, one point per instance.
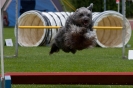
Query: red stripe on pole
(131, 23)
(117, 1)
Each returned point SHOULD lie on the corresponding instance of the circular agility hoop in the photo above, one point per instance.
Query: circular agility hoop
(111, 38)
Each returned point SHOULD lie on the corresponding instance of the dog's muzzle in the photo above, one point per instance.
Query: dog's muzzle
(86, 22)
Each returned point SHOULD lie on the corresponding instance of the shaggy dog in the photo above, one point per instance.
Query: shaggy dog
(77, 34)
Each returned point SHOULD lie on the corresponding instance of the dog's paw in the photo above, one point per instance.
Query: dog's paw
(90, 35)
(83, 29)
(54, 49)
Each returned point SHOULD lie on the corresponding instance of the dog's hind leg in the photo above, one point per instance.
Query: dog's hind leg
(54, 48)
(73, 51)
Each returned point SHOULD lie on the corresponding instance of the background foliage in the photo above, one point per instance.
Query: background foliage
(99, 5)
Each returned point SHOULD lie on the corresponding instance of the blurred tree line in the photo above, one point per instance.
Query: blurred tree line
(99, 5)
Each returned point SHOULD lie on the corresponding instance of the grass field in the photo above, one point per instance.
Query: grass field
(37, 59)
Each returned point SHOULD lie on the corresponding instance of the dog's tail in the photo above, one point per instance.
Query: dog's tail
(54, 48)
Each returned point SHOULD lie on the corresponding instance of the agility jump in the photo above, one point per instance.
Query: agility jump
(56, 27)
(92, 78)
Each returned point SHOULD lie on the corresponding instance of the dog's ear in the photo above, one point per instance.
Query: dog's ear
(90, 7)
(76, 10)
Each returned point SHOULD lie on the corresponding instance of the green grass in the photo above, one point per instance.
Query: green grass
(70, 86)
(37, 59)
(98, 59)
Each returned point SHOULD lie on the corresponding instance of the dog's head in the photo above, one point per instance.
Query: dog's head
(83, 16)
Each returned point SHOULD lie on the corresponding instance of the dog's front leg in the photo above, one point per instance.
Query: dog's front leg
(77, 30)
(90, 35)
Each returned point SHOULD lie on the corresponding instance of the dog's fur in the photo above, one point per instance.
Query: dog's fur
(77, 32)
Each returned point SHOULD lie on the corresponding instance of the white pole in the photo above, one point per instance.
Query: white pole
(104, 5)
(118, 7)
(1, 49)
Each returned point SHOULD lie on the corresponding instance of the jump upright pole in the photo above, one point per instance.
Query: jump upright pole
(1, 49)
(16, 38)
(1, 42)
(123, 30)
(16, 33)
